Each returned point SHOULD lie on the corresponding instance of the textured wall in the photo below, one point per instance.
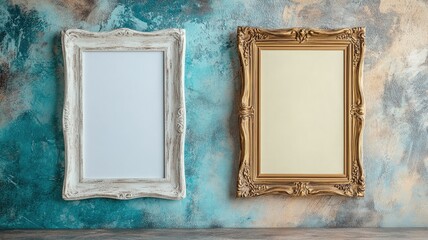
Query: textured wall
(31, 96)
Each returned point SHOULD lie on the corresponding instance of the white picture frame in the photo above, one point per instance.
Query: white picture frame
(79, 43)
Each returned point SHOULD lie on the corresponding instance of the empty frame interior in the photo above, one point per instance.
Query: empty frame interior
(123, 114)
(301, 97)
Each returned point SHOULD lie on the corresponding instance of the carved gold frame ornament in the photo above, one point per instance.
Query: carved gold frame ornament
(250, 181)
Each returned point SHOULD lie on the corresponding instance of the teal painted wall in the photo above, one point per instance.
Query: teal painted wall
(31, 97)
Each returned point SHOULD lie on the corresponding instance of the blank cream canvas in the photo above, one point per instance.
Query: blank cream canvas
(302, 112)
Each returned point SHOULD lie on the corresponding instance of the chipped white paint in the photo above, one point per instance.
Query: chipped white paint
(172, 42)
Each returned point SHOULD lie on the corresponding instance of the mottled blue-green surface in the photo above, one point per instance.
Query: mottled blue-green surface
(31, 97)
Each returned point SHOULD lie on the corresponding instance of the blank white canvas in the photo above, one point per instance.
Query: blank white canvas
(123, 115)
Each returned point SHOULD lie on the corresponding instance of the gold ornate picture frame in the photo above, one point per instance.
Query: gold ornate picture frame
(344, 47)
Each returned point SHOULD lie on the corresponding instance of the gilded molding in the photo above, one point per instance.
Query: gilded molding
(246, 186)
(301, 35)
(246, 112)
(357, 111)
(246, 36)
(357, 37)
(248, 183)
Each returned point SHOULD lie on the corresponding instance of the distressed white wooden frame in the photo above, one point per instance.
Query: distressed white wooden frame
(172, 43)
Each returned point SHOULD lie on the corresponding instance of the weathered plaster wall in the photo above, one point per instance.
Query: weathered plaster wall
(31, 96)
